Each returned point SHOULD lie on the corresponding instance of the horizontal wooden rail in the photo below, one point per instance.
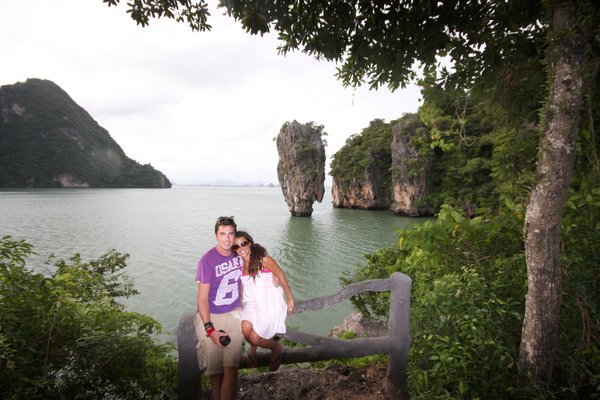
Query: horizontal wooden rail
(320, 348)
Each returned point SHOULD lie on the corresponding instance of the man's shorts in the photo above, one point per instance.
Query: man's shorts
(215, 357)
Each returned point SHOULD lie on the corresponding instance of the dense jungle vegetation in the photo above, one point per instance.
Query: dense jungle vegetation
(64, 334)
(469, 273)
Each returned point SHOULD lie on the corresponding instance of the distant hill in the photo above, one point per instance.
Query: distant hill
(47, 140)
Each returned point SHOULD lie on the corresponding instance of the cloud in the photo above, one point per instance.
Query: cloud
(199, 106)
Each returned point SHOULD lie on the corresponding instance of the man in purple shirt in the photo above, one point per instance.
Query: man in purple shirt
(218, 276)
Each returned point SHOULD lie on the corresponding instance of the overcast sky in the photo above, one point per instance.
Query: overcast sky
(198, 106)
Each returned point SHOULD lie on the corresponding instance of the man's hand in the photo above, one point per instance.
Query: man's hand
(215, 336)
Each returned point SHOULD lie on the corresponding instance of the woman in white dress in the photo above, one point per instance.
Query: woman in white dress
(264, 307)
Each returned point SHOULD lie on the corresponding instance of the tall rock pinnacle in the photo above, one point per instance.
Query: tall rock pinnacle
(301, 167)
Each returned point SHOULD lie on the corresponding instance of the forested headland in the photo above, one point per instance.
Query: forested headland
(48, 140)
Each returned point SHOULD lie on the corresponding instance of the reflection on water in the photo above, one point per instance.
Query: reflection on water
(166, 231)
(301, 247)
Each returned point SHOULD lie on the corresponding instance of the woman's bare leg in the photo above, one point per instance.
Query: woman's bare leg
(257, 341)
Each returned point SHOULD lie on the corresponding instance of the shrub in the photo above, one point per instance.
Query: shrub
(468, 289)
(66, 335)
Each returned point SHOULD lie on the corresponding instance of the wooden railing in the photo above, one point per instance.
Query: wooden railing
(395, 344)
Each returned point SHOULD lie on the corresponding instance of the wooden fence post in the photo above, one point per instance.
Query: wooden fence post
(399, 334)
(189, 383)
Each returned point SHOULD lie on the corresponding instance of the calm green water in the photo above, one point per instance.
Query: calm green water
(166, 231)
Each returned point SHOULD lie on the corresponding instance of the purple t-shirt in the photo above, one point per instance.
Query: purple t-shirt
(224, 274)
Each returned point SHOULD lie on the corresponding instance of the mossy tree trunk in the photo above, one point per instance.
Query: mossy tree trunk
(547, 202)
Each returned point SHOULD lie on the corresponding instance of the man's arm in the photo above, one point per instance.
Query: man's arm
(203, 308)
(204, 311)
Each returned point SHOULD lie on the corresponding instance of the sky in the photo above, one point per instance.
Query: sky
(201, 107)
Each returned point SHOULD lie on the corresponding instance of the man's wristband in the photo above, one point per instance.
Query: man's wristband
(209, 328)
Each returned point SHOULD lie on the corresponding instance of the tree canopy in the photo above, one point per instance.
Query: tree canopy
(383, 42)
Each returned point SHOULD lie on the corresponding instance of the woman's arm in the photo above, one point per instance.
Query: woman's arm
(271, 264)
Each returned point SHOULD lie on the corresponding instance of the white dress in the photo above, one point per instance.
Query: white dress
(264, 304)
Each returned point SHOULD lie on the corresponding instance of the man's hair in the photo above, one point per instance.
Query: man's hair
(225, 221)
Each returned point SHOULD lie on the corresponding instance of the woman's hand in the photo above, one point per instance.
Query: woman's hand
(290, 307)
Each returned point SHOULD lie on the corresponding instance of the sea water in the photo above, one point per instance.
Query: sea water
(165, 231)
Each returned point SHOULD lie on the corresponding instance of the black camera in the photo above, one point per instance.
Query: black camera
(224, 340)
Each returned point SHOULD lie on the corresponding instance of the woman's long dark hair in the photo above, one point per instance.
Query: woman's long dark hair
(257, 253)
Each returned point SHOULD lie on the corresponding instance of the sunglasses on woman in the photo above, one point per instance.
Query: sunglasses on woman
(237, 246)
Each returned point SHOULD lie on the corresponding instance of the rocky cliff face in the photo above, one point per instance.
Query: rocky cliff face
(369, 192)
(301, 167)
(410, 170)
(361, 169)
(381, 168)
(47, 140)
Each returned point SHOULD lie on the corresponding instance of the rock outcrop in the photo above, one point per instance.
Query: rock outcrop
(369, 192)
(47, 140)
(361, 325)
(361, 169)
(301, 167)
(410, 170)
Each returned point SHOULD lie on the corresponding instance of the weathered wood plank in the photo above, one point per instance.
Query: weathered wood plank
(399, 334)
(309, 339)
(352, 348)
(374, 285)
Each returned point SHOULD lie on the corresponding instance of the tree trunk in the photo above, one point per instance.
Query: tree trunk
(547, 202)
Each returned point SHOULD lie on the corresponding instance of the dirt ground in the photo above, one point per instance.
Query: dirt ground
(334, 382)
